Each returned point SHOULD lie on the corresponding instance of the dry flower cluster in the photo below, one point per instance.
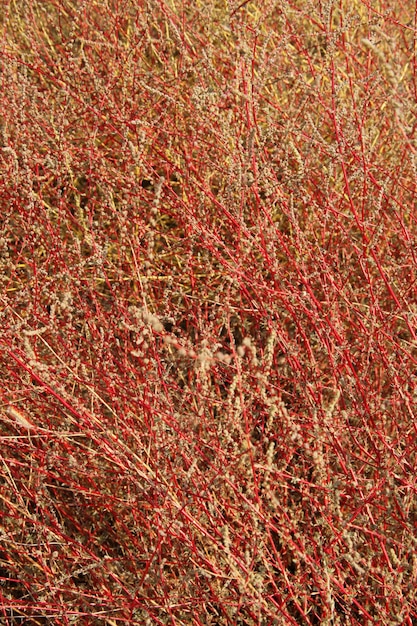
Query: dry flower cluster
(208, 312)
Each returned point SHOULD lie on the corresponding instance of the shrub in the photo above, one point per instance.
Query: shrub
(208, 311)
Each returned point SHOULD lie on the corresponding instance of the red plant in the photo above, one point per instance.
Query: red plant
(208, 310)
